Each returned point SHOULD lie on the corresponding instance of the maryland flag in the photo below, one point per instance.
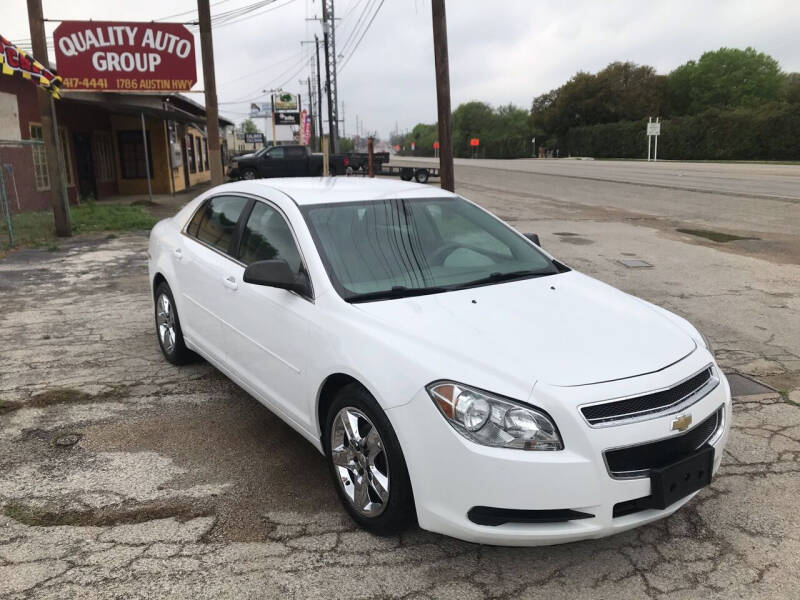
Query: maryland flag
(18, 62)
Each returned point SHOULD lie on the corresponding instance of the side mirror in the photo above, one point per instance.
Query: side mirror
(277, 274)
(534, 238)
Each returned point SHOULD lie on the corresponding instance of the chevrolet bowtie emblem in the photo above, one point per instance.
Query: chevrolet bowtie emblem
(681, 423)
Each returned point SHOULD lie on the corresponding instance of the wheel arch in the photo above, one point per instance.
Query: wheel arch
(158, 279)
(331, 386)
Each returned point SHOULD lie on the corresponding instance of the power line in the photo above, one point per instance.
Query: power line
(353, 51)
(367, 7)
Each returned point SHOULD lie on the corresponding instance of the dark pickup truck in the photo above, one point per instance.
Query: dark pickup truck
(298, 161)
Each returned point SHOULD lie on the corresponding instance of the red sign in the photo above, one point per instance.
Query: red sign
(474, 142)
(435, 145)
(125, 57)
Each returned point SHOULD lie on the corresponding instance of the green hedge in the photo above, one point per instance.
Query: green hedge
(771, 132)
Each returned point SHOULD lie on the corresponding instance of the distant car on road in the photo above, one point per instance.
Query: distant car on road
(297, 161)
(450, 370)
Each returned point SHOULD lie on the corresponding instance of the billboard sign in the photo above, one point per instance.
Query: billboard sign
(125, 56)
(260, 110)
(286, 118)
(285, 102)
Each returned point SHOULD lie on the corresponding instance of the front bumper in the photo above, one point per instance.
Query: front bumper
(451, 475)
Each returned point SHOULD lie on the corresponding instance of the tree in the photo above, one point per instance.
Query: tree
(249, 127)
(791, 88)
(724, 78)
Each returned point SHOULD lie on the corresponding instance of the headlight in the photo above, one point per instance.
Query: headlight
(493, 421)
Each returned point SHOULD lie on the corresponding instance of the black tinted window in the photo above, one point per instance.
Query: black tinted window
(295, 152)
(215, 223)
(267, 236)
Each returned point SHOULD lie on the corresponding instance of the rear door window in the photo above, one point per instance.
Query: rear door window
(215, 223)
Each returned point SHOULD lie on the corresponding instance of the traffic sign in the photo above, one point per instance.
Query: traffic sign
(435, 145)
(474, 142)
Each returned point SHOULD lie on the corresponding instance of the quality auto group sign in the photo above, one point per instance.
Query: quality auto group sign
(125, 57)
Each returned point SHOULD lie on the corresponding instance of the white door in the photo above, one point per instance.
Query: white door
(202, 266)
(268, 328)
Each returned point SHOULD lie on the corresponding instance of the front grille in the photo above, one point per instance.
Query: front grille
(636, 461)
(609, 413)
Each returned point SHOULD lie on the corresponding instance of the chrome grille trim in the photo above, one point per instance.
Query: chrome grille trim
(652, 413)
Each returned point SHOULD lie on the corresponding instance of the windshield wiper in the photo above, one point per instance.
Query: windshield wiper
(397, 291)
(498, 277)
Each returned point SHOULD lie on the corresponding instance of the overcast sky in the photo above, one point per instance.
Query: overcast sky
(501, 51)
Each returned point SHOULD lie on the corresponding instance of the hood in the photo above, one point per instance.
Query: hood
(241, 156)
(563, 330)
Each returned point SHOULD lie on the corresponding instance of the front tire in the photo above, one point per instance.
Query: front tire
(248, 174)
(367, 463)
(168, 328)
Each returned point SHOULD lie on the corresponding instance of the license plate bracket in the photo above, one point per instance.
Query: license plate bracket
(673, 482)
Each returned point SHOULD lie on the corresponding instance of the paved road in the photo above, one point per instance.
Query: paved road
(635, 191)
(741, 179)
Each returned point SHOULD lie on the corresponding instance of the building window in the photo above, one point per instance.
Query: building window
(40, 173)
(205, 151)
(132, 155)
(63, 140)
(190, 153)
(103, 152)
(199, 153)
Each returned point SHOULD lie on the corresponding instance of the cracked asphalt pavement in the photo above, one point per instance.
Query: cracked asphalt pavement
(122, 476)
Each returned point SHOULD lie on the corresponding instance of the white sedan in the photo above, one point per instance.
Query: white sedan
(452, 372)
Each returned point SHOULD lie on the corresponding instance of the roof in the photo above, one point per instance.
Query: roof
(326, 190)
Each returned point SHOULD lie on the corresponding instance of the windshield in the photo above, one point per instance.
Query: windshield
(393, 248)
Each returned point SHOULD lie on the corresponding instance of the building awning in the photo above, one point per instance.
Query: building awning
(152, 106)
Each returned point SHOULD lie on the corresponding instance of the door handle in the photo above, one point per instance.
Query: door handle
(230, 282)
(178, 253)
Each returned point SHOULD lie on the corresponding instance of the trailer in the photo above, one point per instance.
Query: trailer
(419, 174)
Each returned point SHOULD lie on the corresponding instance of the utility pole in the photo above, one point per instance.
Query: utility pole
(210, 83)
(59, 199)
(319, 96)
(443, 94)
(329, 39)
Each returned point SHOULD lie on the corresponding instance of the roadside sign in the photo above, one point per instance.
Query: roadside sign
(284, 102)
(435, 145)
(654, 128)
(254, 138)
(413, 146)
(260, 110)
(474, 142)
(653, 131)
(286, 118)
(120, 56)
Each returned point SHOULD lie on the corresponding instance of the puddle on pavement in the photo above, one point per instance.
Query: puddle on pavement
(742, 385)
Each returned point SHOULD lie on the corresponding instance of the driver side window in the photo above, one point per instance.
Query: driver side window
(267, 236)
(454, 228)
(277, 152)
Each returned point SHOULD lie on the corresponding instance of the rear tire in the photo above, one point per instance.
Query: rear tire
(406, 173)
(168, 328)
(366, 463)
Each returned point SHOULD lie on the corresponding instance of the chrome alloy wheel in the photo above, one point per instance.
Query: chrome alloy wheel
(360, 460)
(165, 320)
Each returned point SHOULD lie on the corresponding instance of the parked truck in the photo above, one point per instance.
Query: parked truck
(298, 161)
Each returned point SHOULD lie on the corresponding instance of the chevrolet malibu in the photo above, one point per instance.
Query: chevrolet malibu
(452, 372)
